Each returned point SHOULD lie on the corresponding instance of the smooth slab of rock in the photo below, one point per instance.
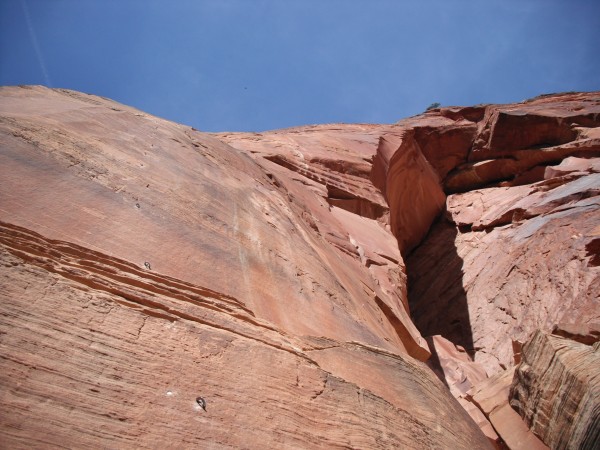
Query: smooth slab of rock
(482, 422)
(411, 187)
(491, 397)
(514, 432)
(97, 352)
(185, 204)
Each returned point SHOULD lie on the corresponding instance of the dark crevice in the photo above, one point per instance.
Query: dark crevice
(593, 250)
(435, 365)
(465, 227)
(436, 296)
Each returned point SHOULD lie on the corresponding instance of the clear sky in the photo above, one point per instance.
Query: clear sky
(253, 65)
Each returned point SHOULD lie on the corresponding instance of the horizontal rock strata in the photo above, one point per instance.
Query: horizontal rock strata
(96, 350)
(164, 287)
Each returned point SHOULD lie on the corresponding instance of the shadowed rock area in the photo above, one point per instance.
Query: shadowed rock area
(515, 251)
(164, 287)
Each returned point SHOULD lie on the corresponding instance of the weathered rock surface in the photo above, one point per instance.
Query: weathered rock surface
(98, 352)
(514, 141)
(333, 174)
(145, 264)
(509, 260)
(521, 253)
(557, 381)
(196, 209)
(491, 397)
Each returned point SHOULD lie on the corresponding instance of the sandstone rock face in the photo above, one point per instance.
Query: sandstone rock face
(98, 352)
(335, 175)
(491, 397)
(163, 289)
(514, 260)
(151, 191)
(513, 141)
(411, 188)
(558, 380)
(521, 253)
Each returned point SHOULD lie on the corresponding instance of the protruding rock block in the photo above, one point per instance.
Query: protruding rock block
(412, 188)
(556, 390)
(585, 333)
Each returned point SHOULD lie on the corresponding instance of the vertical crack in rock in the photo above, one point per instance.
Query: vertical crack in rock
(435, 271)
(276, 271)
(516, 250)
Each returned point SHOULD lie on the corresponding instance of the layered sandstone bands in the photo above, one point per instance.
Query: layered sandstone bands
(193, 208)
(558, 380)
(145, 263)
(99, 352)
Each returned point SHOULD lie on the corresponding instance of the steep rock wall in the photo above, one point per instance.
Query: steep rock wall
(146, 264)
(98, 352)
(557, 380)
(157, 193)
(516, 247)
(161, 288)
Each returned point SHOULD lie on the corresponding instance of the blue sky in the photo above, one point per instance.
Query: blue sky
(253, 65)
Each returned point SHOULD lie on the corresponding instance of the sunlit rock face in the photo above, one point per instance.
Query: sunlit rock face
(167, 287)
(161, 288)
(517, 246)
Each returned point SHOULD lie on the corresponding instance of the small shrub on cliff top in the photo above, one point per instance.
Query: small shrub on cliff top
(433, 106)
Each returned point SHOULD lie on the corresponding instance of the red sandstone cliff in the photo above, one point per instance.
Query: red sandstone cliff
(145, 264)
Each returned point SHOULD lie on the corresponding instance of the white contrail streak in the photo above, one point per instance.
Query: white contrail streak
(35, 43)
